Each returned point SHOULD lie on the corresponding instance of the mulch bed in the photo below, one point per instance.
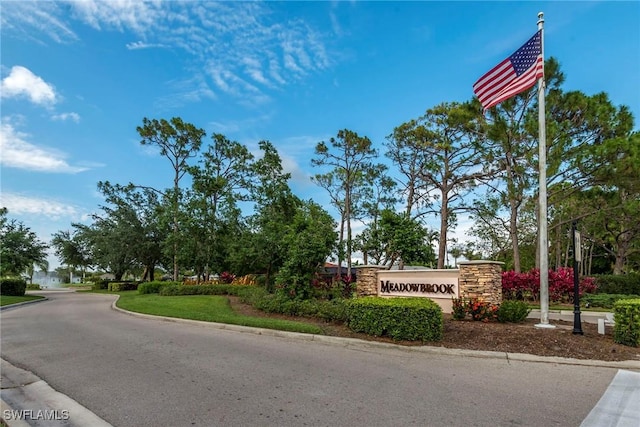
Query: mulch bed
(494, 336)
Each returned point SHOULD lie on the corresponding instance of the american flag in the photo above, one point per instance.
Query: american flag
(515, 74)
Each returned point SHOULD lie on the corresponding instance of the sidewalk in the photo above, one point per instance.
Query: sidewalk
(567, 316)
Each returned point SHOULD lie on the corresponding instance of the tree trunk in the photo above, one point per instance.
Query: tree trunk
(621, 252)
(442, 244)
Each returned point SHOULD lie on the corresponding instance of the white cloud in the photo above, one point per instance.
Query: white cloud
(119, 14)
(75, 117)
(244, 47)
(17, 152)
(185, 91)
(30, 19)
(21, 82)
(142, 45)
(18, 204)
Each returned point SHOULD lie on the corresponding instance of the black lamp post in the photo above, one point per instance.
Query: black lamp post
(577, 256)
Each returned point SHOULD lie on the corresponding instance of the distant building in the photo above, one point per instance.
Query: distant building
(51, 279)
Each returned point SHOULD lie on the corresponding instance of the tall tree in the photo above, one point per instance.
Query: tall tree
(399, 239)
(611, 205)
(309, 239)
(72, 250)
(221, 179)
(275, 207)
(20, 247)
(351, 157)
(450, 165)
(509, 147)
(375, 197)
(129, 233)
(178, 142)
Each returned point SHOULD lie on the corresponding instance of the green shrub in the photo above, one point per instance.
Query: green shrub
(333, 310)
(626, 330)
(399, 318)
(153, 287)
(220, 289)
(122, 286)
(604, 300)
(251, 294)
(459, 308)
(627, 284)
(100, 285)
(12, 286)
(259, 298)
(33, 287)
(513, 311)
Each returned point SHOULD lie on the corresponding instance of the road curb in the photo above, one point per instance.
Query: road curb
(363, 344)
(18, 304)
(26, 397)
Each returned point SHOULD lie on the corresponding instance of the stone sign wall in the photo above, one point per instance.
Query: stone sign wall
(473, 279)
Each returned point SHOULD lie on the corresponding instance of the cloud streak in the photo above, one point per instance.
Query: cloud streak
(18, 153)
(246, 51)
(74, 117)
(18, 204)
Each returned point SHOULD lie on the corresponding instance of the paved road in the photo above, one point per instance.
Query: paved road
(146, 372)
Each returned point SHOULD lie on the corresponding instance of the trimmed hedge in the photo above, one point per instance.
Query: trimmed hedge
(604, 300)
(627, 284)
(259, 298)
(626, 330)
(100, 285)
(513, 311)
(221, 289)
(154, 287)
(329, 310)
(399, 318)
(122, 286)
(13, 287)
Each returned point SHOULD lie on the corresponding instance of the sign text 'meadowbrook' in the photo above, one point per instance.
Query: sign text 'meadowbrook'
(426, 288)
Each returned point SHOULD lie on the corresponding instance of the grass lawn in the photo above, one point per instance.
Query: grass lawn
(209, 308)
(9, 299)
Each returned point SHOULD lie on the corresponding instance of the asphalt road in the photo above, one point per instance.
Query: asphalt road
(132, 371)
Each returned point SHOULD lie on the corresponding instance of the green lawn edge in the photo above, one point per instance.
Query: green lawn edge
(207, 308)
(10, 299)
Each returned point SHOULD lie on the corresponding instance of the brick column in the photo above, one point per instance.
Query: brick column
(482, 280)
(366, 280)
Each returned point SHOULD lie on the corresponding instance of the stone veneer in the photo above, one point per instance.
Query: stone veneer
(481, 279)
(477, 279)
(367, 280)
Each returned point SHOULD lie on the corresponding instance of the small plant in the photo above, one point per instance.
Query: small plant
(482, 310)
(226, 277)
(513, 311)
(460, 308)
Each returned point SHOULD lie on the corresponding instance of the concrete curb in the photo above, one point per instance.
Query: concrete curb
(19, 304)
(356, 343)
(25, 397)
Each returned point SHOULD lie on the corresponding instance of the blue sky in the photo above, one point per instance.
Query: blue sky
(78, 78)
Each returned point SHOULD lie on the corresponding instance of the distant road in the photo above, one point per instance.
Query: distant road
(147, 372)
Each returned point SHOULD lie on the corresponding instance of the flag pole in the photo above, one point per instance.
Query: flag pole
(542, 194)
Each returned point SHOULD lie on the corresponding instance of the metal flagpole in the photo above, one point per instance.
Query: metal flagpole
(542, 197)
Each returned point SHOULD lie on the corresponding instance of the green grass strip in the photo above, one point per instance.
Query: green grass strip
(208, 308)
(9, 299)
